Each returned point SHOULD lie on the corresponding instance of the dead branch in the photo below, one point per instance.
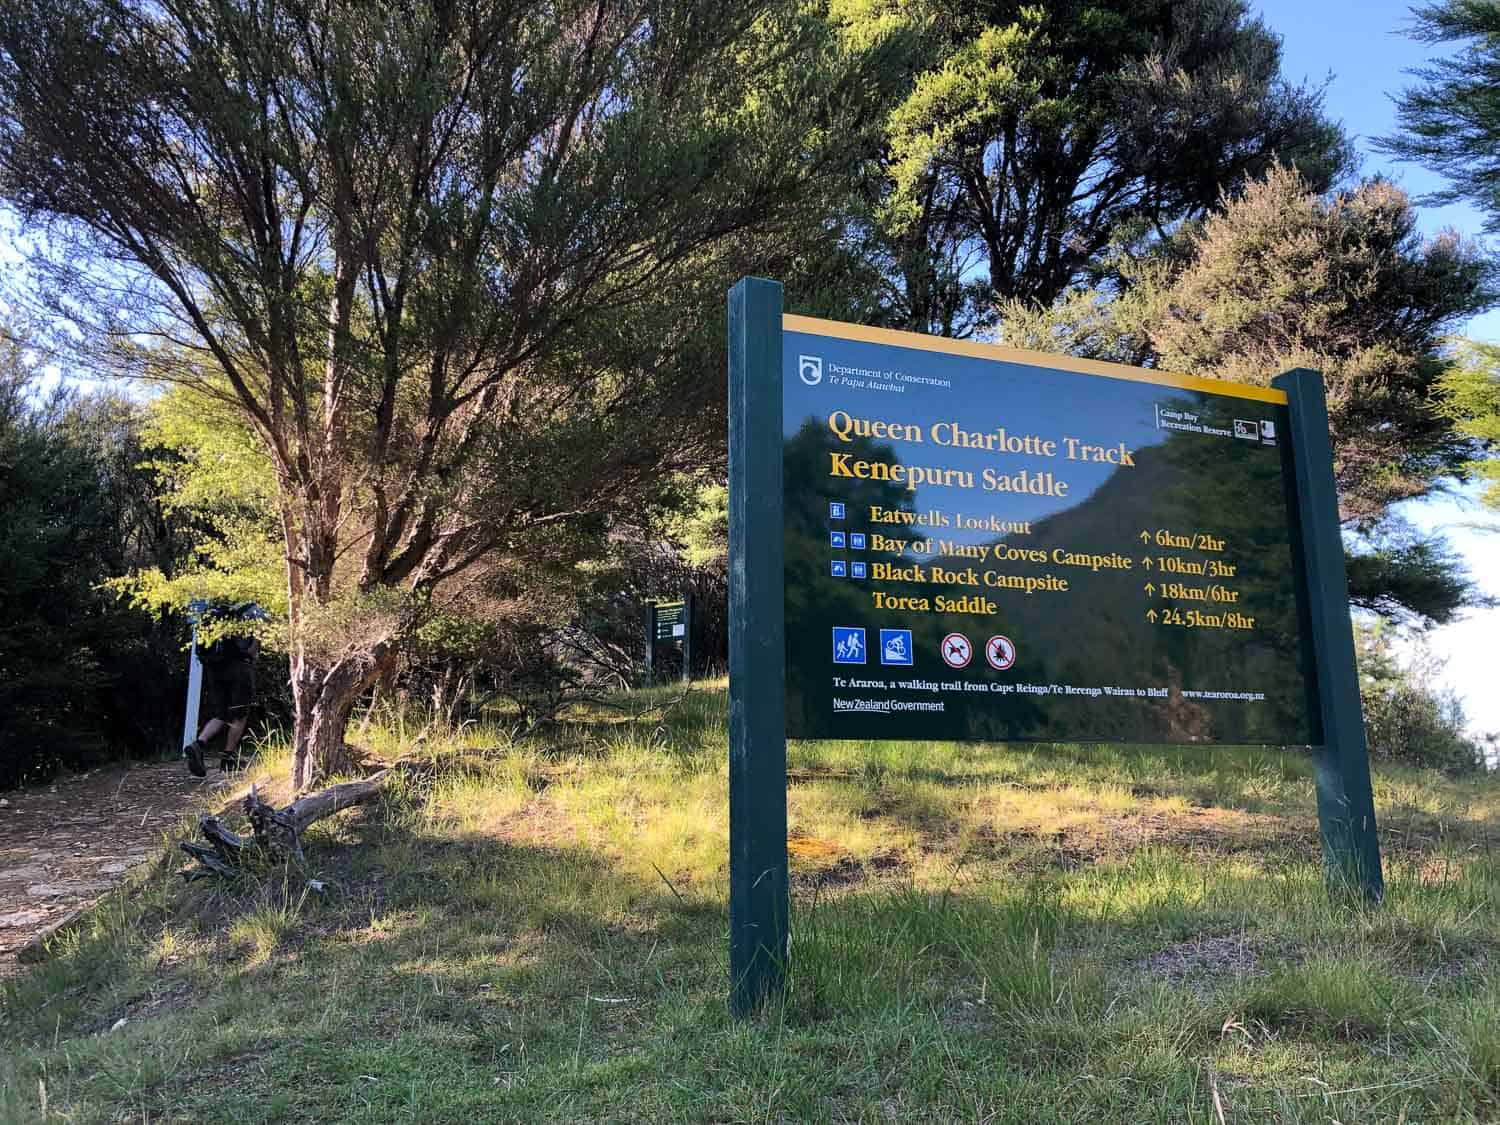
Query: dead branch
(274, 832)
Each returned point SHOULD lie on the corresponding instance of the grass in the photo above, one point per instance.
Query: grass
(1025, 933)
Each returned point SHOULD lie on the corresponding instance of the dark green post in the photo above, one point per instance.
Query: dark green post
(758, 936)
(1346, 804)
(687, 637)
(651, 644)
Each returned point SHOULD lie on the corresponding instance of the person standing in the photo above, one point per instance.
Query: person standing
(228, 687)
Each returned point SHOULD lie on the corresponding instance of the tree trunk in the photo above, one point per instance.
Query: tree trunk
(324, 701)
(320, 742)
(381, 693)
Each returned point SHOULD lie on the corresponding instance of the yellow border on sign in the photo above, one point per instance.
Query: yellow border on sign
(816, 326)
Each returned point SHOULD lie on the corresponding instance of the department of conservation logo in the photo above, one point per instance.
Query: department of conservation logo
(810, 369)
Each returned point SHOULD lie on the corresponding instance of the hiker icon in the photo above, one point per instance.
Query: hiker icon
(848, 645)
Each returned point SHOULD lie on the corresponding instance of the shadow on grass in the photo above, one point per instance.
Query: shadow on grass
(450, 975)
(458, 975)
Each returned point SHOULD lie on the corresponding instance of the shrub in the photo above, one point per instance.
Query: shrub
(1410, 718)
(1418, 725)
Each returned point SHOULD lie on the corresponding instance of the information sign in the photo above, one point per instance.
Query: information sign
(1067, 550)
(670, 623)
(935, 539)
(671, 620)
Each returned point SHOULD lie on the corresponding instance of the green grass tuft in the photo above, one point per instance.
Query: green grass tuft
(1037, 933)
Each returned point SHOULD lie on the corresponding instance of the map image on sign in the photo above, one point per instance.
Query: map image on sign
(990, 545)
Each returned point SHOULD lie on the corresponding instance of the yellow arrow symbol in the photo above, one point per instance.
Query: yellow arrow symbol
(1145, 537)
(1147, 562)
(1150, 589)
(1151, 616)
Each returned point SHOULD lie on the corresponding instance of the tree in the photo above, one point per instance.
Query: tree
(82, 678)
(1450, 121)
(1034, 135)
(1282, 277)
(441, 258)
(1397, 572)
(1473, 386)
(1344, 284)
(1410, 717)
(212, 473)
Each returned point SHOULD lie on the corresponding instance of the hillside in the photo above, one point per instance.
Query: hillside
(1034, 933)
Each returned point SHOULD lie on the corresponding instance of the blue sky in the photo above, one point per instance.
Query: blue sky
(1361, 48)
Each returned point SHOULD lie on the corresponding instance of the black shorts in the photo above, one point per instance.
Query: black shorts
(228, 689)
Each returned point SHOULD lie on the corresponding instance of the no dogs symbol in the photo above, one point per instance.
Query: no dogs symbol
(1000, 651)
(957, 651)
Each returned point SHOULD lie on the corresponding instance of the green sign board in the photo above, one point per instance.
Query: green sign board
(669, 623)
(995, 545)
(935, 539)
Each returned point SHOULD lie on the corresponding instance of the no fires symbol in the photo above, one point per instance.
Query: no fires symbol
(1000, 651)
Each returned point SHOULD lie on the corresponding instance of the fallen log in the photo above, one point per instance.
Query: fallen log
(274, 832)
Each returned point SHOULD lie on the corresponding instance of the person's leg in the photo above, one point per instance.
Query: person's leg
(193, 751)
(237, 727)
(240, 689)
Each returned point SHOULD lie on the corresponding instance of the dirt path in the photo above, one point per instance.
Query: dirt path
(64, 844)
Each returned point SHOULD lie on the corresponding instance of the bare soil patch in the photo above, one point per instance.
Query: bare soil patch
(64, 844)
(1205, 961)
(1095, 835)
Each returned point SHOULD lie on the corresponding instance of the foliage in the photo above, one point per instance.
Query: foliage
(636, 573)
(1399, 572)
(1450, 121)
(449, 264)
(82, 677)
(1346, 285)
(1281, 277)
(1409, 717)
(1473, 402)
(213, 476)
(1031, 137)
(533, 636)
(702, 527)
